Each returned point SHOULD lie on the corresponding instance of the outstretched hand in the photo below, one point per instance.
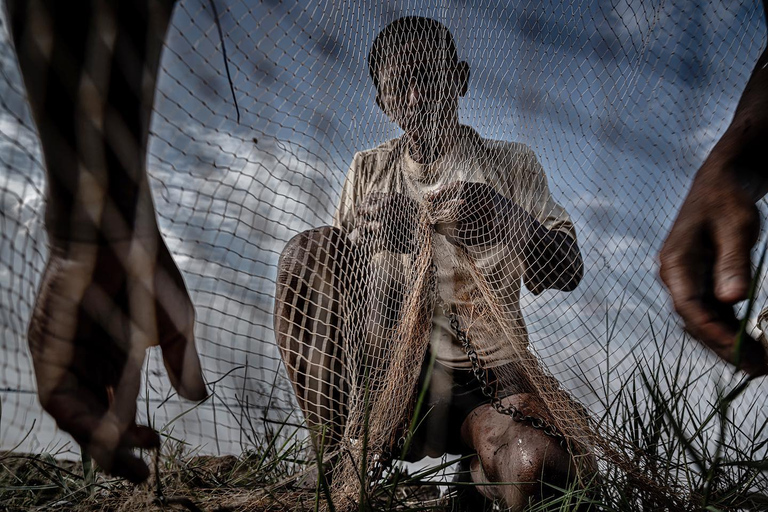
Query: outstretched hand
(705, 263)
(468, 213)
(99, 308)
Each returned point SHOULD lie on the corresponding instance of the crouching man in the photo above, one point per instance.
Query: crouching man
(489, 201)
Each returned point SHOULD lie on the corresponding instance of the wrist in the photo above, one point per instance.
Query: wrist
(739, 156)
(100, 218)
(727, 170)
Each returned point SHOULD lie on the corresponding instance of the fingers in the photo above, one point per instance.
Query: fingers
(101, 432)
(754, 358)
(450, 209)
(183, 366)
(142, 437)
(446, 206)
(470, 202)
(92, 396)
(681, 271)
(466, 190)
(720, 334)
(463, 212)
(451, 191)
(176, 324)
(116, 435)
(122, 460)
(125, 463)
(684, 273)
(687, 270)
(450, 230)
(734, 235)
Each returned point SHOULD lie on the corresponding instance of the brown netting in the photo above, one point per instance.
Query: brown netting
(590, 117)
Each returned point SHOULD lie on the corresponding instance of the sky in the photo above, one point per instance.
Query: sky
(620, 100)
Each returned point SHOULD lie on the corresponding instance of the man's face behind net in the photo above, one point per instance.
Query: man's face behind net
(419, 88)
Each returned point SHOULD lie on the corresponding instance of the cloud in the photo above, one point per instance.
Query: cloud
(620, 102)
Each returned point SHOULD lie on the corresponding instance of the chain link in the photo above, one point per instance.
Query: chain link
(481, 375)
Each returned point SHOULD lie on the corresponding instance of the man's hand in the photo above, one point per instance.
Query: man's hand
(388, 222)
(469, 214)
(99, 308)
(705, 263)
(110, 288)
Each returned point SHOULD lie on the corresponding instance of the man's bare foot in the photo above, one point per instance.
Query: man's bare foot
(532, 462)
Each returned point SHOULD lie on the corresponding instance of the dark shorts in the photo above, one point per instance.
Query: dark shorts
(451, 395)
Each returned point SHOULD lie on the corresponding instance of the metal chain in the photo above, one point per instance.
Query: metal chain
(480, 374)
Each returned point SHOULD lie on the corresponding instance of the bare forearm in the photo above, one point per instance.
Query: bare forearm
(92, 107)
(740, 153)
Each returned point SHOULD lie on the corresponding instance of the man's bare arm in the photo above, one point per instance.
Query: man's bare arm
(110, 287)
(705, 260)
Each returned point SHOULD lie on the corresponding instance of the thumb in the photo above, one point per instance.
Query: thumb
(734, 237)
(183, 366)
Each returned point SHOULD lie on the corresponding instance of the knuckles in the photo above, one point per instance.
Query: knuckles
(741, 222)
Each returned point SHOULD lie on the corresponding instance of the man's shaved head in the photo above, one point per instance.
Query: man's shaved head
(407, 30)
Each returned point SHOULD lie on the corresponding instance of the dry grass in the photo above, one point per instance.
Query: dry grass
(706, 459)
(196, 483)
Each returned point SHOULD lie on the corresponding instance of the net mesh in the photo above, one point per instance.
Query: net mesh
(320, 286)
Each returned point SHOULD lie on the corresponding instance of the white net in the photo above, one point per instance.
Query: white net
(455, 187)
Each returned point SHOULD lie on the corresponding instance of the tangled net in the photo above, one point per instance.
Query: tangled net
(590, 117)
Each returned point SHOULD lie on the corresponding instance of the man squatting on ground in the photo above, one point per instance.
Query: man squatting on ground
(507, 221)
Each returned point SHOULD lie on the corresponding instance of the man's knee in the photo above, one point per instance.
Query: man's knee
(312, 242)
(309, 315)
(309, 282)
(508, 448)
(517, 453)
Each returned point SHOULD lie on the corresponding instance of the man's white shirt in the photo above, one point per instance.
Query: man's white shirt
(509, 168)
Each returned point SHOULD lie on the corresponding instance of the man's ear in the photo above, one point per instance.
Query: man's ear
(462, 77)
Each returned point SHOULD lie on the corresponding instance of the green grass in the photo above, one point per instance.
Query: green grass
(705, 457)
(690, 448)
(702, 453)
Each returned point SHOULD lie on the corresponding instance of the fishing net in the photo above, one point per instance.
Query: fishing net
(337, 228)
(434, 233)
